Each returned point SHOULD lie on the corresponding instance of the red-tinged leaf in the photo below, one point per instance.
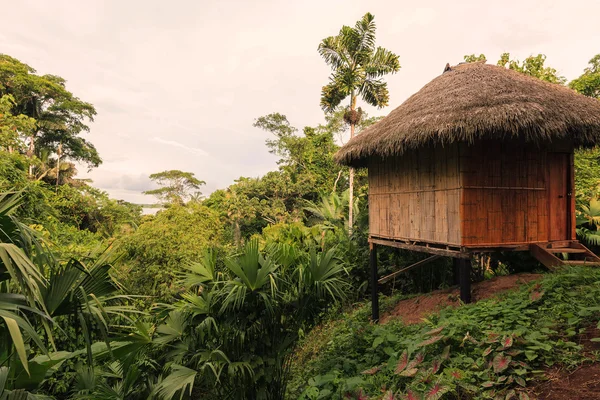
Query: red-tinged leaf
(514, 353)
(510, 380)
(520, 381)
(501, 362)
(389, 395)
(435, 331)
(492, 338)
(473, 340)
(522, 364)
(507, 342)
(409, 372)
(416, 361)
(523, 396)
(435, 366)
(402, 363)
(426, 377)
(487, 351)
(446, 353)
(456, 374)
(488, 384)
(371, 371)
(511, 394)
(436, 392)
(502, 379)
(361, 395)
(536, 295)
(410, 395)
(431, 340)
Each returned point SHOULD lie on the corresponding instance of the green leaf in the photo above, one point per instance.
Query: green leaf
(17, 339)
(181, 380)
(445, 353)
(378, 340)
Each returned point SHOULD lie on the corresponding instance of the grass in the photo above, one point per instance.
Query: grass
(490, 349)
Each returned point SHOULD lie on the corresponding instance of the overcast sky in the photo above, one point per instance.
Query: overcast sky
(178, 84)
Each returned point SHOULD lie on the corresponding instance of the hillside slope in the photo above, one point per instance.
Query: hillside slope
(516, 345)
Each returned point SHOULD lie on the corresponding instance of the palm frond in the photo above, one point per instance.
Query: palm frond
(375, 92)
(382, 62)
(332, 53)
(179, 381)
(332, 95)
(365, 30)
(202, 272)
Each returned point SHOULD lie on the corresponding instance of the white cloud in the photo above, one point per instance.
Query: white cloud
(178, 85)
(180, 145)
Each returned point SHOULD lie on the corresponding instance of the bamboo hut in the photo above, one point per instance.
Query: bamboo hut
(479, 160)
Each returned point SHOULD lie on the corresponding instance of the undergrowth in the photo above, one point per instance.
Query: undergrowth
(491, 349)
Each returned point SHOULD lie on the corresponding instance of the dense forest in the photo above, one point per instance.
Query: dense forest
(213, 296)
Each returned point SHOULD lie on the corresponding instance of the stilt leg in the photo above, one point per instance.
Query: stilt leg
(464, 273)
(374, 288)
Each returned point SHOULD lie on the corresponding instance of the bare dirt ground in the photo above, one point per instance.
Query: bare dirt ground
(413, 310)
(581, 384)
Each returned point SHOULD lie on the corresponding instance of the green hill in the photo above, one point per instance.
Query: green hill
(500, 348)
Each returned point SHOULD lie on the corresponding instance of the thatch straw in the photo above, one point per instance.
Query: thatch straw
(478, 101)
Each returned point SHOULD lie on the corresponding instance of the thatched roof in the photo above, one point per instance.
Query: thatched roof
(476, 101)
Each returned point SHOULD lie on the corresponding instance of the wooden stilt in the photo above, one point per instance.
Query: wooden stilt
(464, 273)
(374, 288)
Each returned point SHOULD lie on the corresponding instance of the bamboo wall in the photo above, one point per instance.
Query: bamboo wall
(486, 194)
(514, 193)
(416, 196)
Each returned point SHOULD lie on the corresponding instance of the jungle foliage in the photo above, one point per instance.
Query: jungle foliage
(215, 297)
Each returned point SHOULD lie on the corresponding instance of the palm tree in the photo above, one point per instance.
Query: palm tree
(357, 70)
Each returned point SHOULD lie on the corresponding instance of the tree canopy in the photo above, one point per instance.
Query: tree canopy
(60, 116)
(589, 82)
(176, 186)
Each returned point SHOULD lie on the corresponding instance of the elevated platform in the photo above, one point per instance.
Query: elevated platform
(551, 254)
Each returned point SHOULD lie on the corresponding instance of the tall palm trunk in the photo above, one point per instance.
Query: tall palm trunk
(58, 154)
(351, 177)
(30, 154)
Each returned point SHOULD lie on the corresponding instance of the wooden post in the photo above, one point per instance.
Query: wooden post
(374, 289)
(464, 274)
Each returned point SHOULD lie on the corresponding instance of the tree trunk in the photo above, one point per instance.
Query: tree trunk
(351, 177)
(237, 233)
(30, 154)
(58, 154)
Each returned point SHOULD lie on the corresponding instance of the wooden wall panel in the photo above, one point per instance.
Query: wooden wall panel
(506, 193)
(485, 194)
(416, 196)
